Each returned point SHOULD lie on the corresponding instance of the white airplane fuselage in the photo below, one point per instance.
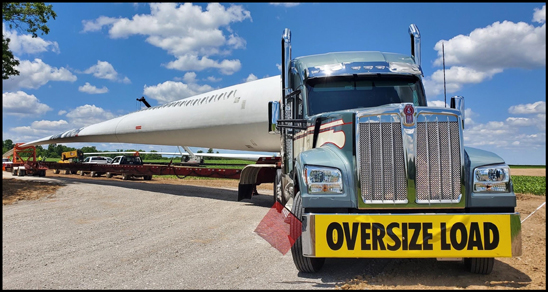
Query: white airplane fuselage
(234, 117)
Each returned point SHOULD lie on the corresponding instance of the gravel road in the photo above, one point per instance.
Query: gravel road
(97, 234)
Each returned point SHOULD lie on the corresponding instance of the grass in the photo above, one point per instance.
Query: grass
(527, 166)
(535, 185)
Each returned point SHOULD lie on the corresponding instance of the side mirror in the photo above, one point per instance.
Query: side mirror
(273, 116)
(457, 102)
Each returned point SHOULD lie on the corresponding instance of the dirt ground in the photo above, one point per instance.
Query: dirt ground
(525, 272)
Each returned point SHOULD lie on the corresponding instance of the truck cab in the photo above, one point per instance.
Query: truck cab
(369, 170)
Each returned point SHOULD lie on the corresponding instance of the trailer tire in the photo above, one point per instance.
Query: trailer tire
(22, 172)
(302, 263)
(93, 174)
(108, 175)
(67, 171)
(42, 173)
(82, 173)
(278, 194)
(56, 171)
(482, 266)
(147, 177)
(74, 171)
(125, 176)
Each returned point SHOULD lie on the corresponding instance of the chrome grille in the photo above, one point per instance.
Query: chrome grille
(438, 164)
(382, 166)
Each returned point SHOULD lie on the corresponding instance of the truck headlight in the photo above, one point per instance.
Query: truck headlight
(494, 178)
(320, 180)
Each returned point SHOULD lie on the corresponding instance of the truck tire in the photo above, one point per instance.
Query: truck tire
(67, 171)
(42, 173)
(82, 173)
(56, 171)
(22, 172)
(302, 263)
(278, 194)
(125, 176)
(108, 175)
(147, 177)
(482, 266)
(93, 174)
(73, 171)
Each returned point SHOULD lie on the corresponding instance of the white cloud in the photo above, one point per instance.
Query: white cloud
(191, 63)
(35, 74)
(279, 66)
(213, 79)
(171, 90)
(538, 107)
(88, 88)
(62, 112)
(49, 125)
(191, 35)
(22, 104)
(87, 115)
(519, 122)
(251, 77)
(540, 15)
(105, 70)
(437, 103)
(487, 51)
(21, 44)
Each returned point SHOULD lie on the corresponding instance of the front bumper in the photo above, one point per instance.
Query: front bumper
(411, 235)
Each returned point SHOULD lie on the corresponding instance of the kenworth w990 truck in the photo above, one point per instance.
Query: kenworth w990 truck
(372, 172)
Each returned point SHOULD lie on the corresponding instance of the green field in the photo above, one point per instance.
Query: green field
(535, 185)
(527, 166)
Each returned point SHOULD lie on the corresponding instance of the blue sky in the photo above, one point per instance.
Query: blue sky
(100, 57)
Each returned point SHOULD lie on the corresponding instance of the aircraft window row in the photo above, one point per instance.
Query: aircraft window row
(192, 102)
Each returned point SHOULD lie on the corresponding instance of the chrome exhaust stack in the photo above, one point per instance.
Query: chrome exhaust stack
(286, 61)
(415, 43)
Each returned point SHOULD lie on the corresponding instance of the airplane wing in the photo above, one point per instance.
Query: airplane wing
(234, 118)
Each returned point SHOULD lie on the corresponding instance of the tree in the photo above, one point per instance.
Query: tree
(33, 16)
(7, 145)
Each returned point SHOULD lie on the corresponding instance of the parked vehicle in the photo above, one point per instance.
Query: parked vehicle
(98, 160)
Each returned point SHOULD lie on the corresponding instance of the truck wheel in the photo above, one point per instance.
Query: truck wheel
(56, 171)
(278, 195)
(41, 173)
(147, 177)
(93, 174)
(22, 172)
(67, 171)
(73, 171)
(82, 173)
(108, 175)
(482, 266)
(125, 176)
(302, 263)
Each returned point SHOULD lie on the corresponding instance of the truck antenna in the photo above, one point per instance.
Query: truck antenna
(443, 57)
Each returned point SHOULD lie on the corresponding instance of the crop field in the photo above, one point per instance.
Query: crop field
(535, 185)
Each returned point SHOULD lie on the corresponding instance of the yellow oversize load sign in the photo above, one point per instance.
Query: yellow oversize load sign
(414, 236)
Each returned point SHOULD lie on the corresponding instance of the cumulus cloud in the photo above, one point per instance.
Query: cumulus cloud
(488, 51)
(26, 44)
(88, 88)
(213, 79)
(529, 108)
(171, 90)
(251, 77)
(105, 70)
(22, 104)
(35, 74)
(191, 35)
(87, 115)
(540, 15)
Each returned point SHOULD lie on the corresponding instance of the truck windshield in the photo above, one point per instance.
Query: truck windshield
(350, 92)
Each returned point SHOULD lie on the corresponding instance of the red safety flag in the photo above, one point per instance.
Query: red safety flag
(275, 228)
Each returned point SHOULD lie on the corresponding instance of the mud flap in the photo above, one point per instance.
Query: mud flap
(245, 191)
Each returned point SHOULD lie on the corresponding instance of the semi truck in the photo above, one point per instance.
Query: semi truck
(370, 171)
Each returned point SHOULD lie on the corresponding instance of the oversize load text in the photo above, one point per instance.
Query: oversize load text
(430, 238)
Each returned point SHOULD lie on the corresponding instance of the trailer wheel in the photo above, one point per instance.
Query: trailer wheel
(82, 173)
(278, 194)
(93, 174)
(302, 263)
(108, 175)
(22, 172)
(56, 171)
(41, 173)
(125, 176)
(147, 177)
(67, 171)
(482, 266)
(73, 171)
